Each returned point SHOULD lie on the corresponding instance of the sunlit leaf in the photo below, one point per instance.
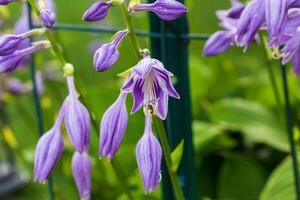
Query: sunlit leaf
(177, 155)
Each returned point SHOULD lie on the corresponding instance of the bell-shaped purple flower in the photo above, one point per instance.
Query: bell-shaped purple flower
(250, 22)
(151, 86)
(108, 54)
(5, 2)
(164, 9)
(97, 11)
(218, 43)
(113, 127)
(47, 17)
(148, 156)
(10, 62)
(82, 169)
(77, 119)
(49, 150)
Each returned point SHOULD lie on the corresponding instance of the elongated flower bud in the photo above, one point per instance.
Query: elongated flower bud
(47, 17)
(82, 169)
(164, 9)
(10, 62)
(16, 87)
(148, 156)
(108, 54)
(77, 120)
(10, 43)
(218, 43)
(113, 127)
(97, 11)
(5, 2)
(49, 150)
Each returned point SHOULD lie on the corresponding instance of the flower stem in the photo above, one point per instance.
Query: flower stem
(58, 51)
(158, 124)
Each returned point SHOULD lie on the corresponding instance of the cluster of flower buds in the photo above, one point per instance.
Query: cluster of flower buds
(47, 15)
(11, 54)
(242, 23)
(50, 146)
(148, 81)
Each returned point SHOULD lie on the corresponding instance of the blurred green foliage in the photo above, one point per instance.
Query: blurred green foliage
(239, 131)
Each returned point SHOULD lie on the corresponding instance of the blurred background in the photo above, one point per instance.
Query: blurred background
(241, 148)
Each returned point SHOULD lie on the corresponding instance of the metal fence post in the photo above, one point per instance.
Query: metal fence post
(173, 52)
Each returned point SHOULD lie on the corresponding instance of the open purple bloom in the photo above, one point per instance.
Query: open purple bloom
(82, 169)
(164, 9)
(148, 156)
(5, 2)
(49, 150)
(250, 22)
(47, 17)
(77, 119)
(97, 11)
(151, 86)
(108, 54)
(10, 62)
(113, 127)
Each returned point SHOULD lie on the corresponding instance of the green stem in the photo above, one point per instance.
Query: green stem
(58, 51)
(167, 155)
(158, 124)
(271, 73)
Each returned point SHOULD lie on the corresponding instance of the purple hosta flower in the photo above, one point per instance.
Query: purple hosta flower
(47, 17)
(97, 11)
(148, 156)
(164, 9)
(234, 12)
(250, 22)
(108, 54)
(50, 4)
(77, 119)
(151, 86)
(49, 150)
(82, 168)
(113, 127)
(5, 2)
(16, 87)
(10, 62)
(218, 43)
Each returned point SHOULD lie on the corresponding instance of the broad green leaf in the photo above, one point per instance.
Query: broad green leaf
(252, 119)
(280, 184)
(177, 155)
(241, 177)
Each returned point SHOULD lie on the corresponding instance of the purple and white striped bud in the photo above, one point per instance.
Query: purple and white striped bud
(77, 119)
(10, 62)
(5, 2)
(164, 9)
(82, 170)
(151, 85)
(49, 149)
(148, 156)
(97, 11)
(113, 127)
(47, 17)
(108, 54)
(218, 43)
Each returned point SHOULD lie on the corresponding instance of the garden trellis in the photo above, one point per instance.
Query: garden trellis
(164, 38)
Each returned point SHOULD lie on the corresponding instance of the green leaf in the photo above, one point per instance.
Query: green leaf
(280, 184)
(253, 120)
(177, 155)
(240, 177)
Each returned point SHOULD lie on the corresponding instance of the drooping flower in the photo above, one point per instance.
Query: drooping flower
(151, 86)
(108, 54)
(97, 11)
(113, 127)
(250, 22)
(82, 169)
(164, 9)
(5, 2)
(10, 62)
(49, 149)
(148, 156)
(47, 17)
(77, 119)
